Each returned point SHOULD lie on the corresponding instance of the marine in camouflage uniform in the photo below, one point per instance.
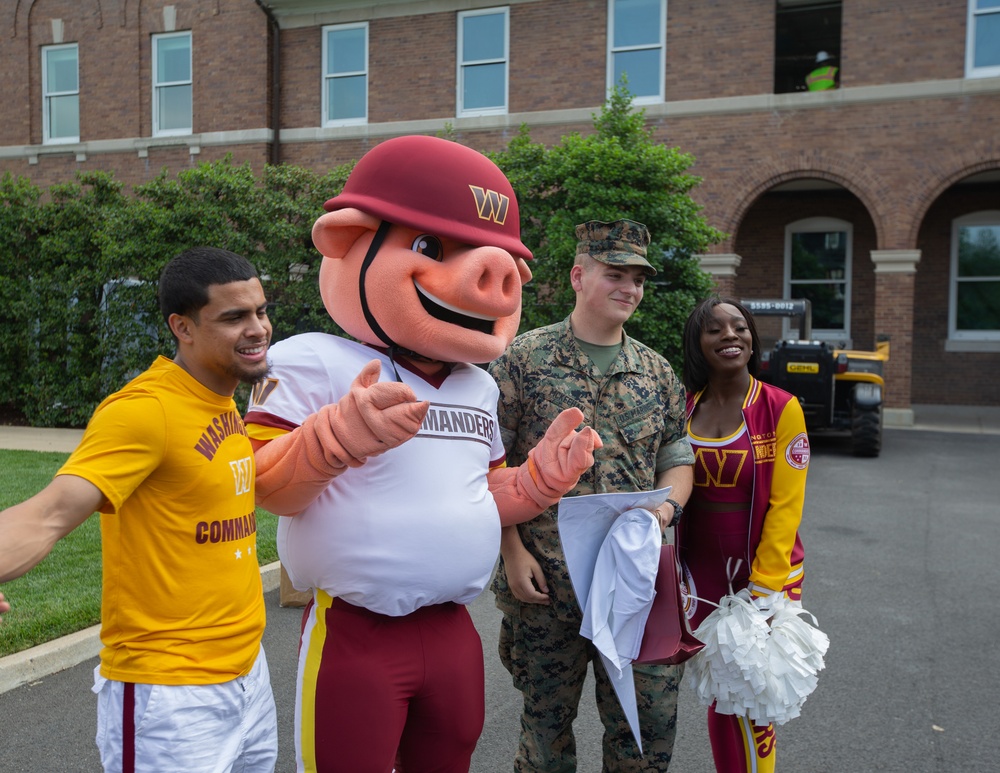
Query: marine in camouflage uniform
(637, 407)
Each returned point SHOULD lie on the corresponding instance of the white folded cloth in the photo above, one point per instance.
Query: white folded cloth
(621, 593)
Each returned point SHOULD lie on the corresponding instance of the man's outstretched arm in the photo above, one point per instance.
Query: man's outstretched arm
(29, 530)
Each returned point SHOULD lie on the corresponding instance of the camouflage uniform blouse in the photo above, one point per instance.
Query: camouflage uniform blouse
(637, 408)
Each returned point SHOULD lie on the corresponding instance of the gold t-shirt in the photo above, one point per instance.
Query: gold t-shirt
(182, 601)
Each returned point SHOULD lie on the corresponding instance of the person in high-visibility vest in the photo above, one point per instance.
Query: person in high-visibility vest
(824, 77)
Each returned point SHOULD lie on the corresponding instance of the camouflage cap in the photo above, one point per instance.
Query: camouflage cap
(618, 243)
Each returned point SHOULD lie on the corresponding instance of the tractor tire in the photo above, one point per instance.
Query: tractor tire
(866, 431)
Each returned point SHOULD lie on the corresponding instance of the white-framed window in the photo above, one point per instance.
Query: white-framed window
(637, 44)
(61, 93)
(172, 84)
(974, 292)
(483, 49)
(818, 255)
(345, 74)
(982, 48)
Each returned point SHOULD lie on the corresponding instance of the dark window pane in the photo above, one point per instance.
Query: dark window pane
(979, 250)
(978, 306)
(821, 255)
(827, 304)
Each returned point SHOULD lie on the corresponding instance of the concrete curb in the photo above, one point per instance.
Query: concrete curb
(52, 657)
(39, 439)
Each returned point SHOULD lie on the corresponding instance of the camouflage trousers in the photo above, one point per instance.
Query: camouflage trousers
(548, 661)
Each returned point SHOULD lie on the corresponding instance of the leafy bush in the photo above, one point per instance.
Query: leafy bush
(78, 304)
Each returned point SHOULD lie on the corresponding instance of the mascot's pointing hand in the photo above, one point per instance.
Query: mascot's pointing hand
(563, 454)
(376, 416)
(553, 468)
(370, 419)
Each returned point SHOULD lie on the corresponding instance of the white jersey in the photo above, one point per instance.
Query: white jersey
(414, 526)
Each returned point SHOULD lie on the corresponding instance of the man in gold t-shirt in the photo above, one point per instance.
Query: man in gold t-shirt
(183, 682)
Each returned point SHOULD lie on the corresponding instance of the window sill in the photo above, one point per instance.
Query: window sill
(138, 145)
(953, 345)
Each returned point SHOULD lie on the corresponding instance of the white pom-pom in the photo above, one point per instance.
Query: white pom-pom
(729, 670)
(749, 668)
(795, 654)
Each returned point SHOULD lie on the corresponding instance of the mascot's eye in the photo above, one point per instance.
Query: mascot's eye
(429, 246)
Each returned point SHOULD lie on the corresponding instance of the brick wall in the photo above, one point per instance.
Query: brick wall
(231, 59)
(895, 156)
(896, 319)
(229, 43)
(301, 62)
(719, 48)
(413, 66)
(928, 42)
(559, 54)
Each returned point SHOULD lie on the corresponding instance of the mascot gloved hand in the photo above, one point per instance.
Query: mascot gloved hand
(553, 468)
(369, 420)
(386, 453)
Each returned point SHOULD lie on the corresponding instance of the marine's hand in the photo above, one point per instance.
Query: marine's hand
(664, 514)
(524, 576)
(4, 606)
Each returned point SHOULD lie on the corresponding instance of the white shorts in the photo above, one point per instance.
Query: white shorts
(205, 728)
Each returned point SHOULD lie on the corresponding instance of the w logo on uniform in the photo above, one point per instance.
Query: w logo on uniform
(262, 390)
(490, 204)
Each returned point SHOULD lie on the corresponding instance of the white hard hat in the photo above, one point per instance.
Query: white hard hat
(822, 56)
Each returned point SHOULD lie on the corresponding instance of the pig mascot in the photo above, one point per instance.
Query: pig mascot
(386, 455)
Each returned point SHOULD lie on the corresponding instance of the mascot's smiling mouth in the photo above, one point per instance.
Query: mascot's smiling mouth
(447, 313)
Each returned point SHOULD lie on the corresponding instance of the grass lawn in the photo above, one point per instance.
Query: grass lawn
(63, 593)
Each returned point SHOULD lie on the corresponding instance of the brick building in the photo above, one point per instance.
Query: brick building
(878, 199)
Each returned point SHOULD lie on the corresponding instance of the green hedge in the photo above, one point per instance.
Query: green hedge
(78, 271)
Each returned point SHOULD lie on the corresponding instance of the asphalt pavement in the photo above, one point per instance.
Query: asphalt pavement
(900, 573)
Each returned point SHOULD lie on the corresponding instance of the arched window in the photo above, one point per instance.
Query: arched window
(974, 291)
(818, 252)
